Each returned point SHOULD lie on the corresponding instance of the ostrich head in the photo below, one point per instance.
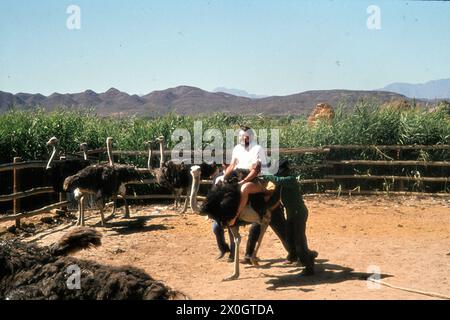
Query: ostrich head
(53, 141)
(109, 142)
(84, 148)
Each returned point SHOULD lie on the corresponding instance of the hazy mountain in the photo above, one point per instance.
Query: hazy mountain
(8, 99)
(190, 100)
(239, 93)
(86, 98)
(114, 101)
(57, 99)
(435, 89)
(31, 99)
(304, 102)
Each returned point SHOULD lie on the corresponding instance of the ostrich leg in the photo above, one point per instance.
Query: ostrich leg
(127, 208)
(186, 201)
(79, 212)
(237, 240)
(195, 173)
(101, 206)
(264, 224)
(81, 215)
(177, 194)
(114, 200)
(175, 201)
(113, 213)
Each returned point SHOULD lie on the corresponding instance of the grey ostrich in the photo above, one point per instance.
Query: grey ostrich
(103, 181)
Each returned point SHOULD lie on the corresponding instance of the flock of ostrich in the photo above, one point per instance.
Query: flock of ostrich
(108, 181)
(31, 272)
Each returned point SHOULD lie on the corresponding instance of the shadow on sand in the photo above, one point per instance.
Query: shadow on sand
(133, 225)
(325, 273)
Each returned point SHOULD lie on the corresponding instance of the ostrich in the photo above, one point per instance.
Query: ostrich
(58, 171)
(179, 177)
(222, 203)
(175, 177)
(84, 149)
(104, 181)
(31, 272)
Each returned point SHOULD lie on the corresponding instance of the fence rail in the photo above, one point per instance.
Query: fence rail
(391, 163)
(390, 147)
(27, 193)
(398, 178)
(34, 212)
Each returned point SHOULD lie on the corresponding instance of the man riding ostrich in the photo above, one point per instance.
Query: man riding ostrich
(227, 203)
(230, 194)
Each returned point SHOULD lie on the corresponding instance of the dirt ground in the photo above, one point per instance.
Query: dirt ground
(406, 238)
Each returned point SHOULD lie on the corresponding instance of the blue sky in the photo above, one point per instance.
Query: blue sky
(261, 46)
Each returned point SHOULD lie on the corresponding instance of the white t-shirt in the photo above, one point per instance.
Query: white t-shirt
(246, 159)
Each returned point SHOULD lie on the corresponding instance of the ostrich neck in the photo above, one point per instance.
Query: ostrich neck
(51, 157)
(149, 161)
(161, 151)
(194, 191)
(110, 156)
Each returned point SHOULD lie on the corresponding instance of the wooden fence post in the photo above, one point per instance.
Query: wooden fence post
(16, 186)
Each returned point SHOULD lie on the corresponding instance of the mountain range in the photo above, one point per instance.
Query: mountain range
(188, 100)
(435, 89)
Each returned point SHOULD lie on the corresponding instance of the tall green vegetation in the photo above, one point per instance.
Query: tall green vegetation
(24, 133)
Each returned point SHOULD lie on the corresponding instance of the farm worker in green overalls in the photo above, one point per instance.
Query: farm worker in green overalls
(296, 213)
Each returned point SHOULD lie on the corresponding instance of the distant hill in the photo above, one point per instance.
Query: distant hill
(436, 89)
(190, 100)
(239, 93)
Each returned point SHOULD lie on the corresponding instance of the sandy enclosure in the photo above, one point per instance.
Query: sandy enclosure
(406, 238)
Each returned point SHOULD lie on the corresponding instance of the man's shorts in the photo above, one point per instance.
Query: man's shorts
(260, 182)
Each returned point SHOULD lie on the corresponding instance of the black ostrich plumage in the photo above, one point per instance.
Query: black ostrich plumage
(178, 175)
(222, 201)
(31, 272)
(173, 175)
(61, 169)
(104, 180)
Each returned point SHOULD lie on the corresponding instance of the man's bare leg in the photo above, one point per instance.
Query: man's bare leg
(247, 189)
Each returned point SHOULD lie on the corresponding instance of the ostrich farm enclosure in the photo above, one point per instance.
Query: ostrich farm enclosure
(406, 238)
